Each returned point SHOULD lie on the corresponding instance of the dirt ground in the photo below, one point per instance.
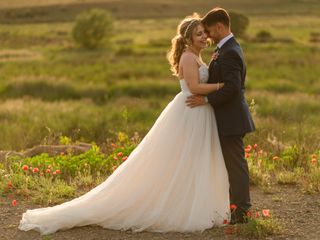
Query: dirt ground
(299, 212)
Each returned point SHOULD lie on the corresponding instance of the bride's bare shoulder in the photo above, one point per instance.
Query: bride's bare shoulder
(188, 58)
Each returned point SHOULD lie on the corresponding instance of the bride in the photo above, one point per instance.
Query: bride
(175, 179)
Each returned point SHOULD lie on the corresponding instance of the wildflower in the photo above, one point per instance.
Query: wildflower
(113, 145)
(41, 174)
(124, 158)
(54, 173)
(114, 168)
(255, 146)
(313, 160)
(48, 171)
(14, 202)
(225, 221)
(257, 214)
(10, 184)
(62, 153)
(115, 158)
(233, 207)
(120, 154)
(260, 152)
(266, 212)
(58, 171)
(247, 155)
(25, 167)
(35, 170)
(49, 167)
(248, 148)
(275, 158)
(249, 214)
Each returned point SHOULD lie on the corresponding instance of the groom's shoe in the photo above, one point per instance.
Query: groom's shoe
(238, 216)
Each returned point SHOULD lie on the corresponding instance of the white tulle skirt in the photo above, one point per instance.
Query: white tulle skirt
(174, 180)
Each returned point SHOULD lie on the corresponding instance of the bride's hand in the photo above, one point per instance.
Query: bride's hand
(220, 85)
(215, 56)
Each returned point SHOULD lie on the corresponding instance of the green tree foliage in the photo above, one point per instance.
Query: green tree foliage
(239, 24)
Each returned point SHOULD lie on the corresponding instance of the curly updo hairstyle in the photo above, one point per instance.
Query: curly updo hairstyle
(181, 40)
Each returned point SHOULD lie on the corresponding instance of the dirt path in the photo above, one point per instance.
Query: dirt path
(299, 212)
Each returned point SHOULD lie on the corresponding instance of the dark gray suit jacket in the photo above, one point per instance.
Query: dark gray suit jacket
(229, 104)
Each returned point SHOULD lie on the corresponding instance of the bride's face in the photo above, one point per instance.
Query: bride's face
(199, 37)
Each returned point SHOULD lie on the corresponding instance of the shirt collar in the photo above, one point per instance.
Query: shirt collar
(223, 41)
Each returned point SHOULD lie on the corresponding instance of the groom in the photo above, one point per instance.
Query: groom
(230, 107)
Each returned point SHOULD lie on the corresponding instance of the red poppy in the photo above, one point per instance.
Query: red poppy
(255, 146)
(233, 207)
(14, 202)
(10, 184)
(124, 158)
(247, 155)
(35, 170)
(58, 171)
(266, 212)
(25, 167)
(113, 145)
(120, 154)
(257, 214)
(41, 174)
(48, 171)
(225, 221)
(115, 158)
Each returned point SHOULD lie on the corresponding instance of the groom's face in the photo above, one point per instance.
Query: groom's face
(213, 32)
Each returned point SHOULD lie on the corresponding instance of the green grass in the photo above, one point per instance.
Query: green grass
(47, 82)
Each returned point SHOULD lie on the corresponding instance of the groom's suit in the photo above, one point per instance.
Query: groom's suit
(233, 117)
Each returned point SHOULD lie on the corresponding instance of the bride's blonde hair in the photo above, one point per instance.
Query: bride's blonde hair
(183, 38)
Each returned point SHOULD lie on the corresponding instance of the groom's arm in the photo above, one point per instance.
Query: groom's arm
(231, 65)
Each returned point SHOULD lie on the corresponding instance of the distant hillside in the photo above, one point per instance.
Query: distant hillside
(20, 11)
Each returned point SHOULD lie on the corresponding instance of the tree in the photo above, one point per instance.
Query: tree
(239, 23)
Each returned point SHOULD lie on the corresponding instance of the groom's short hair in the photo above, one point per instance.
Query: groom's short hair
(216, 15)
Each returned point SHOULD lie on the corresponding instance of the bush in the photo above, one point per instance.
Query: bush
(264, 36)
(92, 28)
(239, 24)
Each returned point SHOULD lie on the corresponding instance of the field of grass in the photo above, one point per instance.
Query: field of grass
(53, 92)
(49, 85)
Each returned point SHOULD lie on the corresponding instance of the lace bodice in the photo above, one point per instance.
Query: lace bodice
(203, 78)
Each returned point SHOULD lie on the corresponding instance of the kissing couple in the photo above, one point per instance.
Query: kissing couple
(190, 167)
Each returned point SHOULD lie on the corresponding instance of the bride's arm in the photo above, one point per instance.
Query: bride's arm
(191, 76)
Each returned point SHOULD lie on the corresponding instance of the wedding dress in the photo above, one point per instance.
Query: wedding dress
(174, 180)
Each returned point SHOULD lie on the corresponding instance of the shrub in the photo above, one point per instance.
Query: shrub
(92, 28)
(264, 36)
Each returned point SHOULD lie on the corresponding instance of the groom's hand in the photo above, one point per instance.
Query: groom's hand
(195, 101)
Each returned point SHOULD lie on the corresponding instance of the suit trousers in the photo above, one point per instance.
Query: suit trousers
(238, 171)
